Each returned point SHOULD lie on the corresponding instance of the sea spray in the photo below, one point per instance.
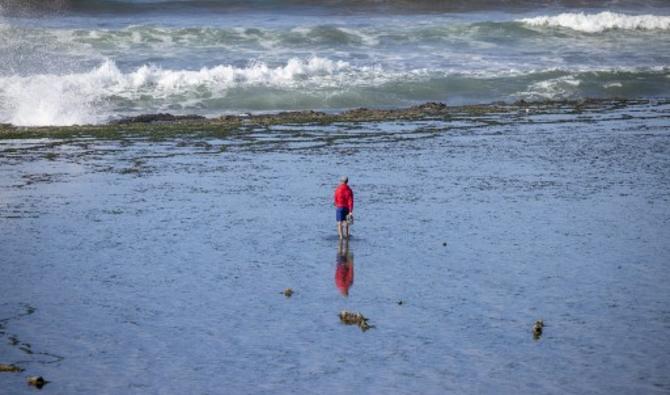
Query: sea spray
(50, 99)
(78, 98)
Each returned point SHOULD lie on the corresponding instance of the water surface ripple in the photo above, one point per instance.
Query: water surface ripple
(139, 266)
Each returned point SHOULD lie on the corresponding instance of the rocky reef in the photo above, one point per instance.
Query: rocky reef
(165, 125)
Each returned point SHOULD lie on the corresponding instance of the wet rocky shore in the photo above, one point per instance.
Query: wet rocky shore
(166, 125)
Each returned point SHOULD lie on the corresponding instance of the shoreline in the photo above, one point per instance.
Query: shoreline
(165, 125)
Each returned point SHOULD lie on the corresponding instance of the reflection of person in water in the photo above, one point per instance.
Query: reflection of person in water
(344, 272)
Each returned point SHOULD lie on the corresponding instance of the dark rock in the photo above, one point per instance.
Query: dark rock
(430, 107)
(36, 381)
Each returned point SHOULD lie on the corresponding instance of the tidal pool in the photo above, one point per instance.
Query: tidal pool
(139, 266)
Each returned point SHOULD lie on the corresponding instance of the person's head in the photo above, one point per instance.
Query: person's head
(344, 179)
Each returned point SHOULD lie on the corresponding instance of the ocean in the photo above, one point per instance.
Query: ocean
(151, 257)
(89, 62)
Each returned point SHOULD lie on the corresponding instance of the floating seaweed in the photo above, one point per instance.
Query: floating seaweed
(10, 368)
(349, 318)
(537, 329)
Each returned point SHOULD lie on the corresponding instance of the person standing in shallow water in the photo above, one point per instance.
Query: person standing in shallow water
(344, 206)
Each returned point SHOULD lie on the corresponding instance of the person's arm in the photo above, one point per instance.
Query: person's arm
(351, 201)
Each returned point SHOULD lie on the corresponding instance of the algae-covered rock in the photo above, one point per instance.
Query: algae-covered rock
(165, 125)
(288, 292)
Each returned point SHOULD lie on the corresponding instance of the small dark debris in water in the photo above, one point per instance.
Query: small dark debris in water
(10, 368)
(537, 329)
(26, 349)
(349, 318)
(400, 303)
(33, 178)
(203, 144)
(444, 244)
(129, 170)
(36, 381)
(288, 292)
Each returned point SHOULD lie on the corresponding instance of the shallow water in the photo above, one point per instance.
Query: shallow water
(137, 266)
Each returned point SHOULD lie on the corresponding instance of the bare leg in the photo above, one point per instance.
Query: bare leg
(346, 228)
(339, 229)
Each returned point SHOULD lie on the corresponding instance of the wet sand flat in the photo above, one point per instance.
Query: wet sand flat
(155, 262)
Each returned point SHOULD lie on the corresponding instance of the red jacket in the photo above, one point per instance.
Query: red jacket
(344, 197)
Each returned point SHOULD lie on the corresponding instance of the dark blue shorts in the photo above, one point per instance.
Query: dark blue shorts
(341, 214)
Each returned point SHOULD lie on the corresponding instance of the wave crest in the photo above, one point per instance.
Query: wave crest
(603, 21)
(105, 92)
(76, 98)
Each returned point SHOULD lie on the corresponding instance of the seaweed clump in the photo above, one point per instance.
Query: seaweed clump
(537, 329)
(10, 368)
(349, 318)
(36, 381)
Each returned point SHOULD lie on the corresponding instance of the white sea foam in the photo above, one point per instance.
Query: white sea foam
(554, 88)
(106, 91)
(596, 23)
(612, 85)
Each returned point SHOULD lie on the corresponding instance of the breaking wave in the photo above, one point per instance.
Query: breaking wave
(80, 98)
(63, 71)
(603, 21)
(106, 92)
